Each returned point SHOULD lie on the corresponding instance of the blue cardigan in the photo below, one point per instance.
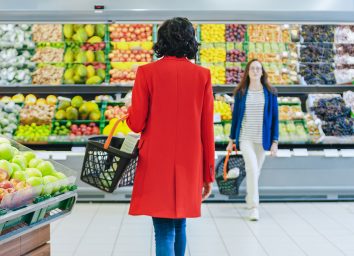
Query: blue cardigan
(270, 118)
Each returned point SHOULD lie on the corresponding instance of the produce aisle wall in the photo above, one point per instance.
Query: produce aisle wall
(63, 82)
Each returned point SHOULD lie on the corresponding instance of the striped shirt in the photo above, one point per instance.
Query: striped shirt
(252, 123)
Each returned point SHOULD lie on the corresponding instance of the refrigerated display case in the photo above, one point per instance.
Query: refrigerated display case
(298, 65)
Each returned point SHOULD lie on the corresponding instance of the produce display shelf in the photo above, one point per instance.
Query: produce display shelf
(113, 89)
(221, 146)
(21, 221)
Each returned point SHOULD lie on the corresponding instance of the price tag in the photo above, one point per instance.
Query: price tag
(284, 153)
(217, 118)
(59, 156)
(78, 149)
(331, 153)
(300, 152)
(43, 155)
(347, 152)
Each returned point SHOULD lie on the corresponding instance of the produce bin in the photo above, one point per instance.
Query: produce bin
(29, 209)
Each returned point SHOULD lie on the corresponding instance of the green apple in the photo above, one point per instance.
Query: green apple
(35, 162)
(6, 151)
(5, 165)
(29, 155)
(33, 172)
(4, 140)
(47, 189)
(51, 180)
(16, 151)
(59, 175)
(21, 161)
(15, 167)
(35, 181)
(46, 168)
(20, 175)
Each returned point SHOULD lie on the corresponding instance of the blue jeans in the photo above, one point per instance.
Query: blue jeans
(170, 236)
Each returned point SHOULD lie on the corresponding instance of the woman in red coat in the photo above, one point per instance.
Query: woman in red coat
(172, 107)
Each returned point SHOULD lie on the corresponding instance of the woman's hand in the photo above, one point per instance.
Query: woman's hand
(274, 149)
(229, 146)
(207, 187)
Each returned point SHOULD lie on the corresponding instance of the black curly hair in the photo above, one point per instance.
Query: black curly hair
(176, 37)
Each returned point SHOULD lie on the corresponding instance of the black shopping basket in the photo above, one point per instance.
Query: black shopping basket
(105, 166)
(230, 186)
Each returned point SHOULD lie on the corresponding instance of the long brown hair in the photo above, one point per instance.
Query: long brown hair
(245, 81)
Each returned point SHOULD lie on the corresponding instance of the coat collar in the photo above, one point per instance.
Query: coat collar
(175, 58)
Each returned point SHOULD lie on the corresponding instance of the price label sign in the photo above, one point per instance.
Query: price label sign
(347, 152)
(43, 155)
(331, 153)
(217, 118)
(59, 156)
(300, 152)
(284, 153)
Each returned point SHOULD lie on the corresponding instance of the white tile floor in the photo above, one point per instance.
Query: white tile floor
(285, 229)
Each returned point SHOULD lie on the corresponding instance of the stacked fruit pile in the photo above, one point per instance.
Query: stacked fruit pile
(9, 112)
(47, 33)
(123, 72)
(48, 74)
(268, 33)
(235, 52)
(23, 170)
(287, 113)
(115, 112)
(223, 108)
(312, 127)
(235, 32)
(317, 33)
(15, 54)
(49, 53)
(317, 54)
(131, 47)
(292, 132)
(138, 55)
(121, 130)
(130, 32)
(335, 116)
(32, 133)
(218, 74)
(271, 45)
(77, 109)
(81, 74)
(37, 111)
(78, 55)
(85, 33)
(344, 58)
(222, 132)
(213, 33)
(212, 53)
(234, 73)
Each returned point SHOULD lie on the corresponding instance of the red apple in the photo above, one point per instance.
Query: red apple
(3, 175)
(6, 184)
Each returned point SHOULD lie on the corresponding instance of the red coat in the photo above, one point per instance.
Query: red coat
(172, 107)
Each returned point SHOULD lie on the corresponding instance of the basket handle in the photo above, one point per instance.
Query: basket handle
(227, 160)
(109, 138)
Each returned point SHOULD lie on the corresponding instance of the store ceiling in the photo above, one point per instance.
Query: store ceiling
(317, 11)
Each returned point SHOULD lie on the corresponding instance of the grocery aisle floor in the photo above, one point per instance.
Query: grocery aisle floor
(290, 229)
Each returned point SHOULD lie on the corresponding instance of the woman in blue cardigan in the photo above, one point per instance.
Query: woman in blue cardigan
(255, 127)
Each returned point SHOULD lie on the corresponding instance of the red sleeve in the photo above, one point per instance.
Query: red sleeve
(207, 127)
(140, 103)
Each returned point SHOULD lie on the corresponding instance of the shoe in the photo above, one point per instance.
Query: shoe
(254, 215)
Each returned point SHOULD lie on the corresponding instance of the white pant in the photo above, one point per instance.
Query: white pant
(254, 155)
